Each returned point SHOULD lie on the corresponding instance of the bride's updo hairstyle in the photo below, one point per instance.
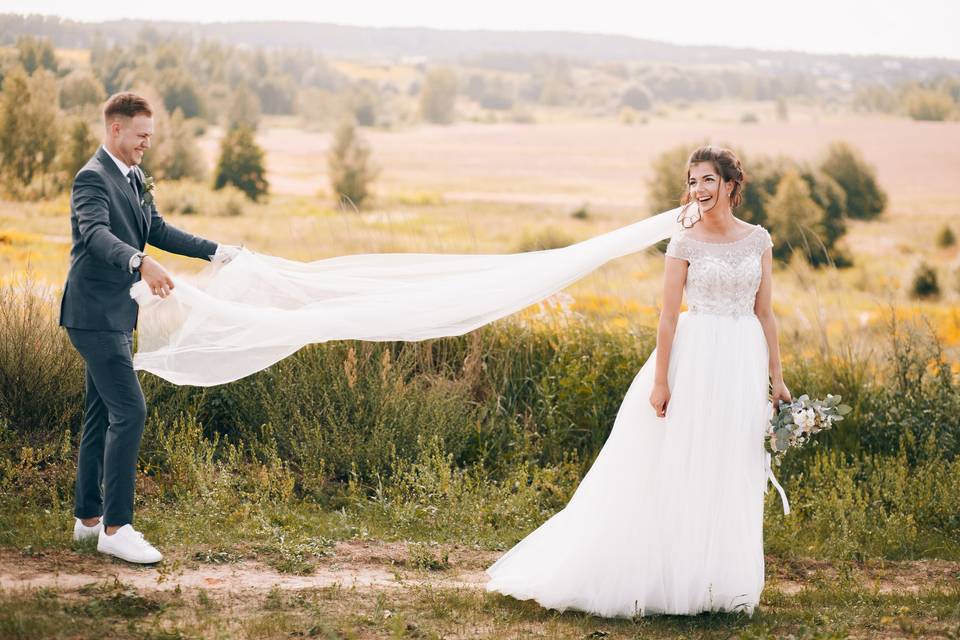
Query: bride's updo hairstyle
(727, 166)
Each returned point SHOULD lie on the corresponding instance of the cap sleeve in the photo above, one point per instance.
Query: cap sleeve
(765, 241)
(677, 248)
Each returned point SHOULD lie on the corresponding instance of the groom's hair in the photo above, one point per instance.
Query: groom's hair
(125, 104)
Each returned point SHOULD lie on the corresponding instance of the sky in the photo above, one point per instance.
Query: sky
(914, 28)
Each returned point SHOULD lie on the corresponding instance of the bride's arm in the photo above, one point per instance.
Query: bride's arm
(763, 307)
(674, 277)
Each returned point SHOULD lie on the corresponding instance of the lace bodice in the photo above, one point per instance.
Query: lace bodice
(722, 278)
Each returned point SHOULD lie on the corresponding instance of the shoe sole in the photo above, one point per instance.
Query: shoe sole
(130, 560)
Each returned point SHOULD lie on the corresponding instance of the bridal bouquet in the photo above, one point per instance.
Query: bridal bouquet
(796, 422)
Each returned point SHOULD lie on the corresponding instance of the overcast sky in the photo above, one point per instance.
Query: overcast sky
(908, 28)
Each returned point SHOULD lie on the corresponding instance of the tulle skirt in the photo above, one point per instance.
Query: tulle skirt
(669, 519)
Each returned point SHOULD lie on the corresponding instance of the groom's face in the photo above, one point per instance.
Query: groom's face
(131, 137)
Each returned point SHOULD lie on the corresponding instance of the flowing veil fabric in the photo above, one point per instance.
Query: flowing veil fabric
(234, 320)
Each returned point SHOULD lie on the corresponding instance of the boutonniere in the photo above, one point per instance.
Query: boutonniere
(149, 185)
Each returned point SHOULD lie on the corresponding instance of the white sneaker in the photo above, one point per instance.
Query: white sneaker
(82, 532)
(128, 544)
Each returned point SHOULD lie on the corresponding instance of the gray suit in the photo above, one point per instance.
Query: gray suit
(110, 224)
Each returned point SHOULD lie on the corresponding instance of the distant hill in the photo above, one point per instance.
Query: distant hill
(339, 41)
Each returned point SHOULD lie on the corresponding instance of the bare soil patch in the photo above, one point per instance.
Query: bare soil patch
(368, 565)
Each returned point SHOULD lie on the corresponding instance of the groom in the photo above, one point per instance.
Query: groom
(113, 217)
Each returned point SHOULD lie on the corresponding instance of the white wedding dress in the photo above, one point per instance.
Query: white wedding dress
(669, 519)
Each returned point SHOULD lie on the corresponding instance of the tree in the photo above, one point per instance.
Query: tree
(349, 164)
(763, 179)
(438, 96)
(946, 237)
(927, 104)
(79, 89)
(763, 176)
(556, 84)
(180, 92)
(277, 95)
(865, 199)
(361, 102)
(795, 220)
(36, 53)
(241, 163)
(637, 97)
(79, 144)
(829, 196)
(179, 157)
(244, 108)
(28, 132)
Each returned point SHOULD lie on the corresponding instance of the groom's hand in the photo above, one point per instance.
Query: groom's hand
(156, 277)
(225, 253)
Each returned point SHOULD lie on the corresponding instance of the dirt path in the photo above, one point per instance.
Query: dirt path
(353, 564)
(366, 565)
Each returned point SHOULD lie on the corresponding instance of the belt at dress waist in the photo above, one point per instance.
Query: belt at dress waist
(730, 314)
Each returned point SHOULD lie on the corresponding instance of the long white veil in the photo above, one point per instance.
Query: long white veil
(233, 320)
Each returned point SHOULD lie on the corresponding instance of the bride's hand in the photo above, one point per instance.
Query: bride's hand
(780, 392)
(659, 398)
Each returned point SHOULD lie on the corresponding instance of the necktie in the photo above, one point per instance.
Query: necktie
(134, 182)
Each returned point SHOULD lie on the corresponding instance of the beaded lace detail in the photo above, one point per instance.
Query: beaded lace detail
(722, 277)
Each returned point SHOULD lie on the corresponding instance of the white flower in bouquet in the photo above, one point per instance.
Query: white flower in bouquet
(796, 422)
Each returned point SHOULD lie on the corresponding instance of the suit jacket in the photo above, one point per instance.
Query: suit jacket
(109, 225)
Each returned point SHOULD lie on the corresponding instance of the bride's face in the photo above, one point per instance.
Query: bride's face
(706, 186)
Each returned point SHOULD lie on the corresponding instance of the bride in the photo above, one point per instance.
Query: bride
(669, 519)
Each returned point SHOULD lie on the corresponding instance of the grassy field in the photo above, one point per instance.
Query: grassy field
(309, 501)
(497, 188)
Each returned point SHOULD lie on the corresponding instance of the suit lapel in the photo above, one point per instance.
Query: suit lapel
(126, 188)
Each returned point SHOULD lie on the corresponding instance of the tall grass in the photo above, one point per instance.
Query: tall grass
(41, 375)
(472, 439)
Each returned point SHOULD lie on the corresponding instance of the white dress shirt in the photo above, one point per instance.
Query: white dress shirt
(124, 169)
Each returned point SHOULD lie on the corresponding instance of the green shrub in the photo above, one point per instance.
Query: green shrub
(795, 219)
(925, 282)
(349, 166)
(435, 499)
(927, 104)
(869, 507)
(865, 199)
(241, 163)
(479, 439)
(185, 197)
(946, 237)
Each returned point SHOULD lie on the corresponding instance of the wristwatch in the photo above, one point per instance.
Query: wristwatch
(136, 261)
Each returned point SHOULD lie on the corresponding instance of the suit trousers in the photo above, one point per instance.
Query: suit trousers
(115, 413)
